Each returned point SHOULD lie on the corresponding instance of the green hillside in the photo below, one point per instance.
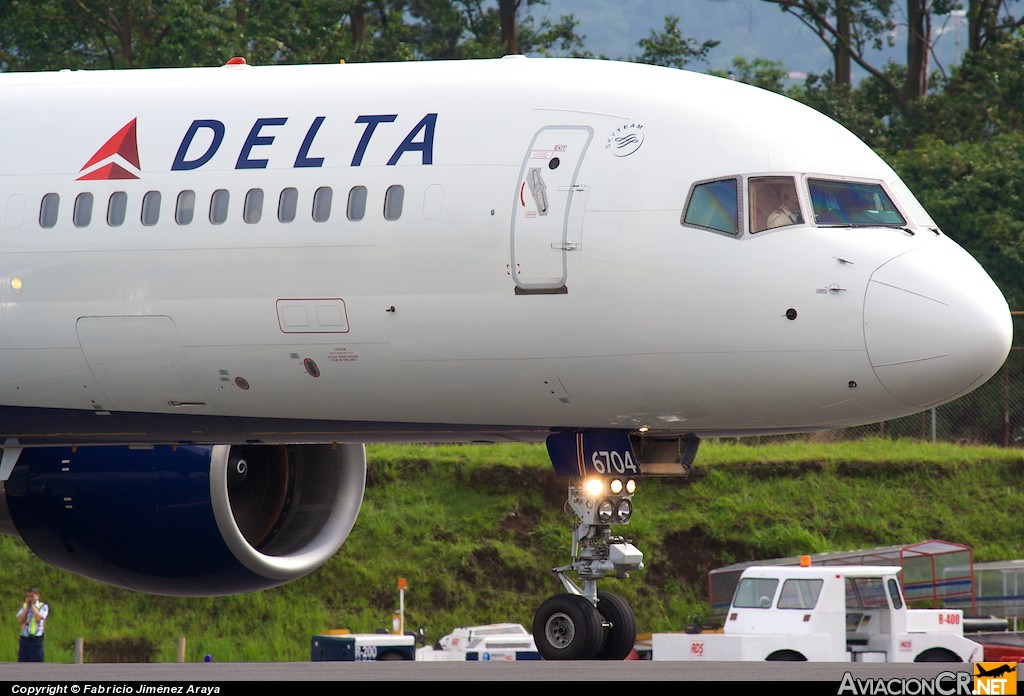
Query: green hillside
(476, 529)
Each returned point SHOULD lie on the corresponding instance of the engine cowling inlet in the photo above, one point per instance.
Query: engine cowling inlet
(187, 520)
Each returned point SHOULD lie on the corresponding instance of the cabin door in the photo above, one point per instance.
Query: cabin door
(548, 209)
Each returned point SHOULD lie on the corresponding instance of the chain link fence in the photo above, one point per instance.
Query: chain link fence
(992, 414)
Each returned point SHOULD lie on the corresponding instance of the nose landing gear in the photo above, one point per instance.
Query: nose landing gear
(584, 624)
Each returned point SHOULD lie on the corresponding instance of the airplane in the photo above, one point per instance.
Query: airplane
(218, 284)
(999, 671)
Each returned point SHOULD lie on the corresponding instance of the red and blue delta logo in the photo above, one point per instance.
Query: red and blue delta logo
(118, 158)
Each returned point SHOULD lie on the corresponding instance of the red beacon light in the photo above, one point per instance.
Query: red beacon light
(237, 60)
(805, 561)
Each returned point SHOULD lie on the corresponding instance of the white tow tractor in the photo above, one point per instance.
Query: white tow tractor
(824, 614)
(343, 646)
(490, 642)
(486, 643)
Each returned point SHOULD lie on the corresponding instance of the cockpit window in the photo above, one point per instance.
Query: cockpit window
(852, 203)
(773, 202)
(714, 204)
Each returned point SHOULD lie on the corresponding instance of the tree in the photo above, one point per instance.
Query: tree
(759, 72)
(983, 97)
(919, 40)
(869, 109)
(989, 20)
(323, 31)
(54, 34)
(446, 29)
(974, 192)
(85, 34)
(964, 159)
(670, 48)
(850, 27)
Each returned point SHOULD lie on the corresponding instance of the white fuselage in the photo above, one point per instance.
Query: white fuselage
(507, 297)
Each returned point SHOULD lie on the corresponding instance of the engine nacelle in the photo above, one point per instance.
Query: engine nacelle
(186, 520)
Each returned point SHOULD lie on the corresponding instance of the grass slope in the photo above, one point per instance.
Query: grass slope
(476, 529)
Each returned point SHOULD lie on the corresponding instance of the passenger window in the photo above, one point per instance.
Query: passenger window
(48, 210)
(714, 205)
(287, 205)
(322, 203)
(117, 208)
(252, 211)
(219, 206)
(81, 216)
(773, 202)
(151, 208)
(393, 200)
(356, 203)
(185, 208)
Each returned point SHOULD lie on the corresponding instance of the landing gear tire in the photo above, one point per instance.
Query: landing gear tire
(620, 638)
(567, 627)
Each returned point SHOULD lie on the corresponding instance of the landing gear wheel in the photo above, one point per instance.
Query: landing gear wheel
(567, 627)
(621, 637)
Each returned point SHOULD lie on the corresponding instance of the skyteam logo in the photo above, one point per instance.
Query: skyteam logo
(117, 159)
(625, 140)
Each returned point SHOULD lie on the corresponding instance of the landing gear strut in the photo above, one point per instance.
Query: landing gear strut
(585, 624)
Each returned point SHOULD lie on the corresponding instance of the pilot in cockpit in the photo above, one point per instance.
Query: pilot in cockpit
(788, 212)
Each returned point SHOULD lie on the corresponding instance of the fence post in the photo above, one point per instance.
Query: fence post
(181, 648)
(1006, 404)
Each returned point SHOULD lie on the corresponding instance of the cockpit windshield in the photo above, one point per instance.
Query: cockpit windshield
(744, 205)
(850, 203)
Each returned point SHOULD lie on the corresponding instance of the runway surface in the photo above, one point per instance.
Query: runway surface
(225, 674)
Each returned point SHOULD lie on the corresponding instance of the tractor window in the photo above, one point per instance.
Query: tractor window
(894, 593)
(799, 593)
(755, 593)
(865, 593)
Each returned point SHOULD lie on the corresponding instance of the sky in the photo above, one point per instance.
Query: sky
(747, 28)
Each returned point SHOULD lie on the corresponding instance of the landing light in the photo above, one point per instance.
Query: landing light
(610, 512)
(609, 499)
(596, 486)
(623, 511)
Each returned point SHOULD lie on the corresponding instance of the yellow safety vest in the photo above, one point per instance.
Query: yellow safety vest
(32, 623)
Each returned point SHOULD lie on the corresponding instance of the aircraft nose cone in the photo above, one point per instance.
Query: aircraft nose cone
(935, 325)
